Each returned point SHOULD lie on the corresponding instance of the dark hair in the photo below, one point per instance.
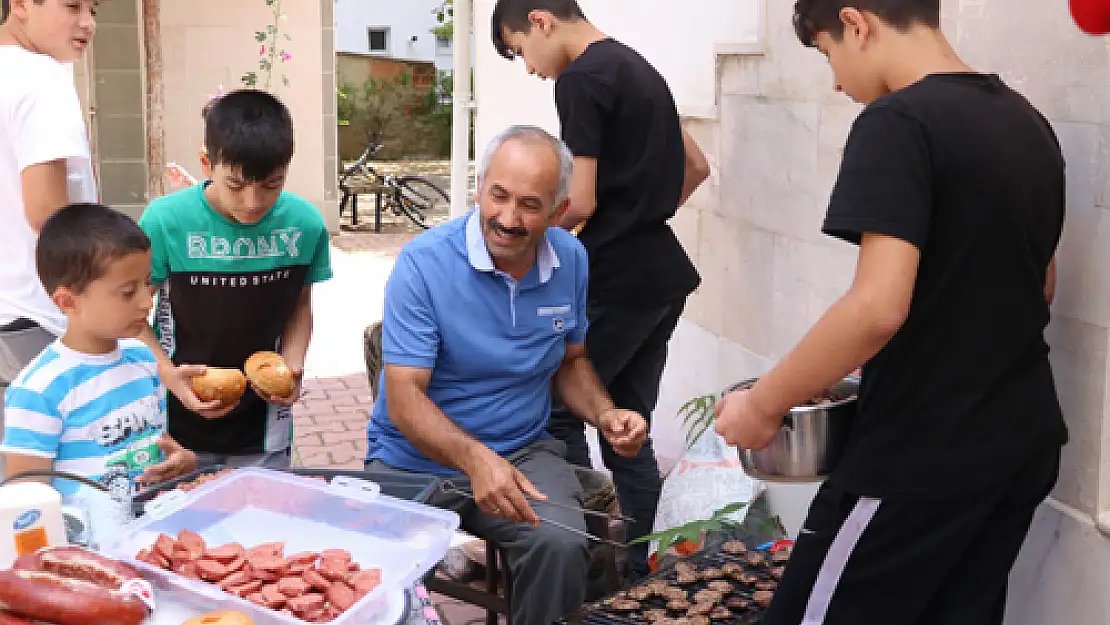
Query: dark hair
(823, 16)
(77, 243)
(251, 131)
(513, 14)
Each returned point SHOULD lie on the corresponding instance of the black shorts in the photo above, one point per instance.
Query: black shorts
(910, 561)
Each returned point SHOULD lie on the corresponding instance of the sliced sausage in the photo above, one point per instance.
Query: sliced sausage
(224, 553)
(306, 603)
(304, 557)
(187, 570)
(336, 554)
(191, 542)
(210, 570)
(341, 596)
(292, 586)
(273, 597)
(234, 580)
(164, 545)
(366, 581)
(267, 549)
(316, 581)
(334, 570)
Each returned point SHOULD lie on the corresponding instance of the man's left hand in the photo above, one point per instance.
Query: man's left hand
(178, 461)
(744, 424)
(625, 430)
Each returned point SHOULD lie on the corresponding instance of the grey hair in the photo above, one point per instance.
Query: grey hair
(534, 134)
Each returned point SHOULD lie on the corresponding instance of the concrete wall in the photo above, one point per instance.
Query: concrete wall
(404, 20)
(205, 45)
(506, 95)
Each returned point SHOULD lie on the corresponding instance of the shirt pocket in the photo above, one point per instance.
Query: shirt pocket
(554, 321)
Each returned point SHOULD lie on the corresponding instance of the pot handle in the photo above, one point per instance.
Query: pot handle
(788, 422)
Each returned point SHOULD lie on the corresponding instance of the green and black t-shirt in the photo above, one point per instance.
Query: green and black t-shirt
(227, 290)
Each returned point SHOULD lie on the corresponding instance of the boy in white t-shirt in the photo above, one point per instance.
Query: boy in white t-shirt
(45, 162)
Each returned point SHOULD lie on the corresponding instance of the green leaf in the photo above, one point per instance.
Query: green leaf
(271, 29)
(260, 37)
(730, 509)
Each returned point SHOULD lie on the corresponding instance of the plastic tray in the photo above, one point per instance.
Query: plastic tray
(251, 506)
(408, 486)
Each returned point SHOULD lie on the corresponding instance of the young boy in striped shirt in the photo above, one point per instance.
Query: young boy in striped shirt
(91, 403)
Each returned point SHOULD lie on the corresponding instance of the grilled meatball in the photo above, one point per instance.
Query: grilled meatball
(625, 605)
(734, 547)
(766, 585)
(762, 598)
(738, 604)
(721, 585)
(720, 613)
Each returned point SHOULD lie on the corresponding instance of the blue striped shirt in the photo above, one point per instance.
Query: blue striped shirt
(98, 416)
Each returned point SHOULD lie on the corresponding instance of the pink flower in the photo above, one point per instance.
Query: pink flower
(285, 56)
(262, 50)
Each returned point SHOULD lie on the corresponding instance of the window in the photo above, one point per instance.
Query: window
(379, 39)
(443, 42)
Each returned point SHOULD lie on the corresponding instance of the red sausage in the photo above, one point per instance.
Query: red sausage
(11, 619)
(78, 563)
(211, 571)
(224, 553)
(234, 580)
(292, 586)
(247, 589)
(304, 557)
(366, 581)
(48, 597)
(316, 581)
(273, 597)
(341, 596)
(335, 570)
(336, 554)
(192, 542)
(164, 545)
(306, 603)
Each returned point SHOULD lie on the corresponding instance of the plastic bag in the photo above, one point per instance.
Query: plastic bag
(706, 479)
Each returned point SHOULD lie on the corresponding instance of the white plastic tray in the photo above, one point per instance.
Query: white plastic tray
(251, 506)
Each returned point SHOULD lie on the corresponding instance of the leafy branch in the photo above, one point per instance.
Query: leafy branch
(694, 530)
(445, 15)
(270, 53)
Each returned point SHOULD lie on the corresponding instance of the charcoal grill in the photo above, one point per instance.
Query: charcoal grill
(600, 612)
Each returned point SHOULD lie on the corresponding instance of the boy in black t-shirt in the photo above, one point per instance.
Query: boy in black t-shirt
(634, 166)
(952, 186)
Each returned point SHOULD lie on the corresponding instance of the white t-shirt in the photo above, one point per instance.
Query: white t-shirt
(40, 121)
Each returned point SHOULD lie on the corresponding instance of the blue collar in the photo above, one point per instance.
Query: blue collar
(478, 255)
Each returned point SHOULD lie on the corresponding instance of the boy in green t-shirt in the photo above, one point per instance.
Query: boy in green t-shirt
(235, 258)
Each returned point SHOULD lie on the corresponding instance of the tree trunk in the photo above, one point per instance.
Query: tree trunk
(155, 94)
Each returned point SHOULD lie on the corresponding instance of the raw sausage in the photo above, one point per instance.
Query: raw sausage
(292, 586)
(305, 557)
(366, 581)
(234, 580)
(211, 570)
(164, 545)
(335, 570)
(336, 554)
(47, 597)
(316, 581)
(192, 542)
(341, 596)
(306, 603)
(78, 563)
(224, 553)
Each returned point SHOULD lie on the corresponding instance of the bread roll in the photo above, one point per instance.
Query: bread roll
(225, 385)
(223, 617)
(269, 373)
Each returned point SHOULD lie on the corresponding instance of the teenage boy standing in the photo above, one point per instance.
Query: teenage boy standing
(952, 185)
(634, 166)
(45, 162)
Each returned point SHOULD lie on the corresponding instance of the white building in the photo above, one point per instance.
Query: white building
(395, 28)
(764, 110)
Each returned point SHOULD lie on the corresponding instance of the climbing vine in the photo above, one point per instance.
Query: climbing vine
(271, 52)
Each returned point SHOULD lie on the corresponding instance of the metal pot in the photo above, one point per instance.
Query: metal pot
(810, 442)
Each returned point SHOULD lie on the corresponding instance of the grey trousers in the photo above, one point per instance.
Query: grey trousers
(17, 350)
(549, 565)
(272, 460)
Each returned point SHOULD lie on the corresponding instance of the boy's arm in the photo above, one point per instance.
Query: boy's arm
(32, 432)
(583, 102)
(697, 167)
(44, 191)
(583, 193)
(882, 201)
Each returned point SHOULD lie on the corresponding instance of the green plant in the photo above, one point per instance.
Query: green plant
(694, 530)
(270, 53)
(445, 14)
(698, 415)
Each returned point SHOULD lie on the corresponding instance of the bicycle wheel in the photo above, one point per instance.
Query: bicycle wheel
(419, 198)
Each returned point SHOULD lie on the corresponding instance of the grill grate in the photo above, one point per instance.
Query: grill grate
(600, 613)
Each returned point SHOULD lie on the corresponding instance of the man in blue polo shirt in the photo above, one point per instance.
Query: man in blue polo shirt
(483, 317)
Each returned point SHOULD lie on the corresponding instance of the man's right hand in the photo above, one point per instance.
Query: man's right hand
(178, 380)
(502, 490)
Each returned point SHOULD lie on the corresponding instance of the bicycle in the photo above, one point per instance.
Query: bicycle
(408, 196)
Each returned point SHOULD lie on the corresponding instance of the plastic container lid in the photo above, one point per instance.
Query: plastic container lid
(252, 506)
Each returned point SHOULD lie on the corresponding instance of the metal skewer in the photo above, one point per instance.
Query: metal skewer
(448, 486)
